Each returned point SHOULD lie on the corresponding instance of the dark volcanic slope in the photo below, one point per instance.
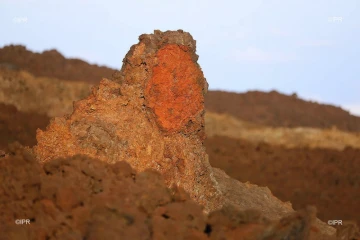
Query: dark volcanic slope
(275, 109)
(19, 126)
(52, 64)
(326, 178)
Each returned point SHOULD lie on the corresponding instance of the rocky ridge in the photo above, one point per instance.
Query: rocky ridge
(51, 63)
(151, 115)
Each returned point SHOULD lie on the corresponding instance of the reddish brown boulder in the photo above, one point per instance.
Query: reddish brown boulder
(150, 115)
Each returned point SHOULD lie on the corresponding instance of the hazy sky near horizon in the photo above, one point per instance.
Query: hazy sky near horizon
(307, 47)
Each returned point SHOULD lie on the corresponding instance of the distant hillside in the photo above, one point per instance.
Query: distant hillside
(276, 109)
(51, 64)
(19, 126)
(271, 109)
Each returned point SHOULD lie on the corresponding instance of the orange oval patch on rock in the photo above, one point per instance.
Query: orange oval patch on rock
(174, 92)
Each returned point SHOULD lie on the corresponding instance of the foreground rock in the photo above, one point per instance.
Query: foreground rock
(84, 198)
(151, 115)
(245, 196)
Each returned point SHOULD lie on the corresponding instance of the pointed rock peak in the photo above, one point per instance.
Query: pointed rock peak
(164, 67)
(151, 115)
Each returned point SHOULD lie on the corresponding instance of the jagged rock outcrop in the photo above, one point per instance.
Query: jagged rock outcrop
(150, 115)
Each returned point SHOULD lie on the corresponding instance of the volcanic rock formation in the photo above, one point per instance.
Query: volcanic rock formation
(151, 114)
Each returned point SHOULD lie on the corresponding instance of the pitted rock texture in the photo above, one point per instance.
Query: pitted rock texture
(244, 196)
(164, 71)
(174, 92)
(151, 115)
(85, 198)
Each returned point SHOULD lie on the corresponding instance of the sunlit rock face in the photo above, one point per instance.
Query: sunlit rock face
(151, 115)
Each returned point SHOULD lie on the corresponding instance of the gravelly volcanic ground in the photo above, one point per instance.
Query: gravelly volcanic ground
(331, 182)
(84, 198)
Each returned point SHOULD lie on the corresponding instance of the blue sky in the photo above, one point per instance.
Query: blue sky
(303, 46)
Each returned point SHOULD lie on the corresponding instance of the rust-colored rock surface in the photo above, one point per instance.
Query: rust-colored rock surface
(150, 115)
(84, 198)
(175, 90)
(258, 163)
